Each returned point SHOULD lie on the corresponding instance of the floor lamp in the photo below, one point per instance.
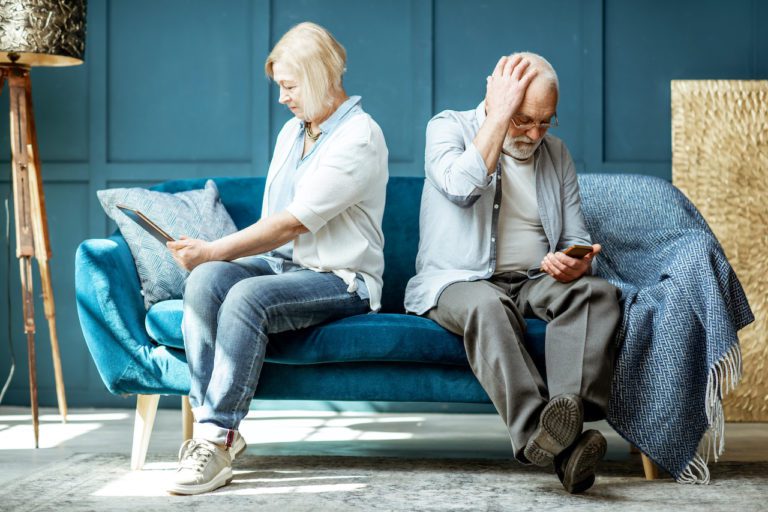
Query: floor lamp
(35, 33)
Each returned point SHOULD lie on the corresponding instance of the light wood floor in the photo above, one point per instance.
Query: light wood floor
(301, 432)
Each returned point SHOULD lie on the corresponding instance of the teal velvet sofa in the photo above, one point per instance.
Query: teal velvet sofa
(389, 356)
(681, 303)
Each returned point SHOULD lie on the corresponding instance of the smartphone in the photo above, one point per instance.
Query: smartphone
(143, 221)
(578, 251)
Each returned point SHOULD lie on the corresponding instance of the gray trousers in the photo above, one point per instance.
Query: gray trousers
(582, 317)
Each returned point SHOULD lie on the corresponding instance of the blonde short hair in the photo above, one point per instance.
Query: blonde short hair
(317, 58)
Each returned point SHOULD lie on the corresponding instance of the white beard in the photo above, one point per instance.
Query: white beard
(520, 147)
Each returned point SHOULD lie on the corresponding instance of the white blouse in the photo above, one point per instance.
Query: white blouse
(340, 200)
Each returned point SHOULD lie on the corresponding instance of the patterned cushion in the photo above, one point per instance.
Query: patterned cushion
(194, 213)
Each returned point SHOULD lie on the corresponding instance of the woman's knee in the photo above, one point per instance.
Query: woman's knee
(248, 298)
(204, 280)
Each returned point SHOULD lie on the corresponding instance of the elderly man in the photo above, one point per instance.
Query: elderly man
(500, 205)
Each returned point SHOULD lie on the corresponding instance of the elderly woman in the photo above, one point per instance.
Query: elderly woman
(315, 255)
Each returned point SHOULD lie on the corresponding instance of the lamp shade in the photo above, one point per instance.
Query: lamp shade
(42, 32)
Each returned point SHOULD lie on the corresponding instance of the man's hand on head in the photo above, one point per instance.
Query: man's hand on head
(505, 91)
(505, 88)
(566, 269)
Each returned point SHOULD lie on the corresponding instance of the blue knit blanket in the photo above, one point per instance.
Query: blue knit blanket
(682, 307)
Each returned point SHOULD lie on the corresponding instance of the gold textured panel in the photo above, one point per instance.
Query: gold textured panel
(720, 161)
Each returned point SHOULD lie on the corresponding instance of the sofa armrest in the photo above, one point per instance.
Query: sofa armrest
(112, 314)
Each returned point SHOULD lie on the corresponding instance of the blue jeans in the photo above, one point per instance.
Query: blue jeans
(229, 309)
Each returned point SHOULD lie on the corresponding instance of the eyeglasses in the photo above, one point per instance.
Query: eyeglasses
(524, 123)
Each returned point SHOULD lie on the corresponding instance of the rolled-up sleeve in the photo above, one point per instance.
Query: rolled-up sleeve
(340, 180)
(455, 167)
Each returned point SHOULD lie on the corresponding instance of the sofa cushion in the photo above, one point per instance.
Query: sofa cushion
(372, 337)
(163, 323)
(194, 213)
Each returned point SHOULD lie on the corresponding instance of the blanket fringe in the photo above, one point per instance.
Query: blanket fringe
(723, 377)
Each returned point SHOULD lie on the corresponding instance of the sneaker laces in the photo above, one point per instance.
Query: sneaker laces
(195, 454)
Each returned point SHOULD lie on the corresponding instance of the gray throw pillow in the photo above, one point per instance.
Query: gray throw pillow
(193, 213)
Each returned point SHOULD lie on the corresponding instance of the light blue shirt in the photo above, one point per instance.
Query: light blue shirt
(282, 190)
(459, 220)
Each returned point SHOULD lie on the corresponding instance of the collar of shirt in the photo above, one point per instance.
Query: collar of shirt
(334, 119)
(326, 127)
(292, 158)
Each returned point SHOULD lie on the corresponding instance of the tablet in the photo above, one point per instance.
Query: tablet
(143, 221)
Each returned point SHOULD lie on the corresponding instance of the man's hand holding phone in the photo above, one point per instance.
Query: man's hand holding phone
(571, 264)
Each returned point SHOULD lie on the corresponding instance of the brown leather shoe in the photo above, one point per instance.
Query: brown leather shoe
(560, 424)
(576, 465)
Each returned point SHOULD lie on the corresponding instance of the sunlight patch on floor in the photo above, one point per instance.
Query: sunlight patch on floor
(153, 480)
(21, 437)
(304, 489)
(305, 427)
(290, 414)
(146, 483)
(95, 416)
(292, 479)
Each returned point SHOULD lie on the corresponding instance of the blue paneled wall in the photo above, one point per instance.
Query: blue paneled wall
(176, 89)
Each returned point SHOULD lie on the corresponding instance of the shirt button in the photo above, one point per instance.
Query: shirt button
(495, 207)
(490, 269)
(493, 239)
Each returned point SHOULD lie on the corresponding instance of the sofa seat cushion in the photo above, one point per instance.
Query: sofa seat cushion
(372, 337)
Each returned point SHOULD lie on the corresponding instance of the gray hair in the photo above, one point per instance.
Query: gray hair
(542, 65)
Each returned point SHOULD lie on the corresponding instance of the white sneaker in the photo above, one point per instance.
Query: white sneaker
(238, 446)
(203, 467)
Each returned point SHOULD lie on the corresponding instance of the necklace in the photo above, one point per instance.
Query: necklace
(312, 136)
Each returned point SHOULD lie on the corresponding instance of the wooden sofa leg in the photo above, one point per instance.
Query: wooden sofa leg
(186, 418)
(651, 469)
(146, 410)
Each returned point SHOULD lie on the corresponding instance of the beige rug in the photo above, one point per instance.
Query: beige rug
(103, 482)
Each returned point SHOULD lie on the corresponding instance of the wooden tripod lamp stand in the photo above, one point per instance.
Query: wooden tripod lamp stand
(35, 33)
